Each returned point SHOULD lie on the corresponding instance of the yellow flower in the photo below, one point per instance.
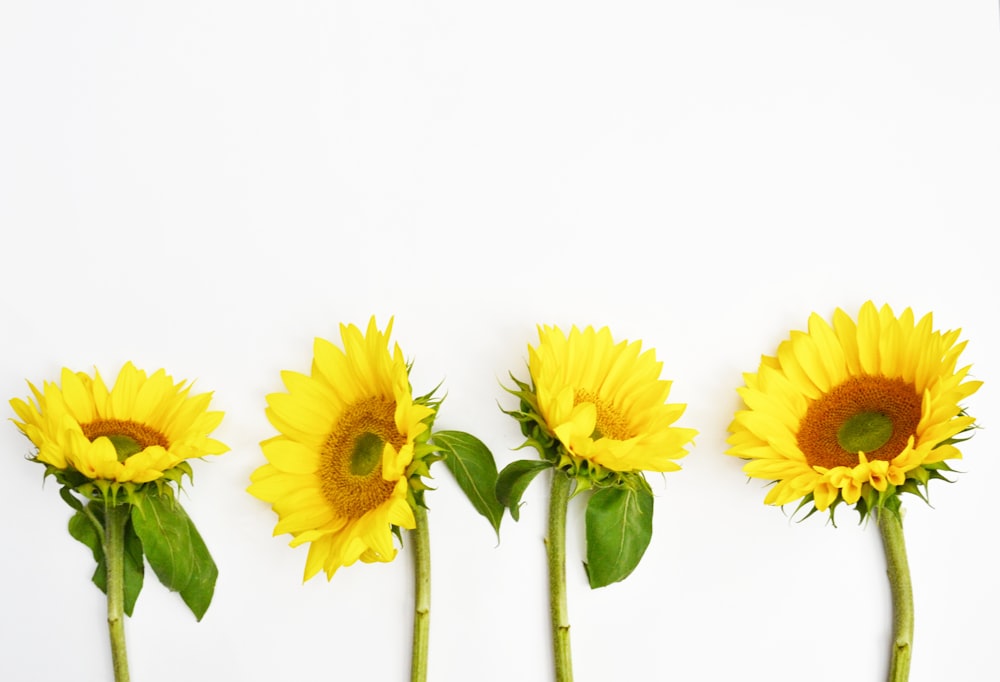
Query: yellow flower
(605, 402)
(337, 476)
(142, 427)
(853, 408)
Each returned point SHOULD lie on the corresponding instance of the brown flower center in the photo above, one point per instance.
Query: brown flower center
(611, 423)
(351, 457)
(127, 436)
(870, 414)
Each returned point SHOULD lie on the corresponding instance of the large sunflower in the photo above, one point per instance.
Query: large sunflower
(854, 410)
(337, 476)
(133, 433)
(605, 402)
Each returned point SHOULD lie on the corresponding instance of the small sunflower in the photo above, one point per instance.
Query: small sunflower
(134, 433)
(351, 437)
(597, 413)
(605, 402)
(854, 411)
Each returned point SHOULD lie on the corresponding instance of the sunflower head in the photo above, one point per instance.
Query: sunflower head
(99, 441)
(855, 412)
(345, 468)
(596, 408)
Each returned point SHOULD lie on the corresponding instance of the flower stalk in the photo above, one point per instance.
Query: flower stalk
(556, 548)
(422, 594)
(116, 517)
(891, 527)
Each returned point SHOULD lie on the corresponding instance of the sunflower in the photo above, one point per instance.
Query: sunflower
(856, 410)
(605, 402)
(337, 476)
(133, 433)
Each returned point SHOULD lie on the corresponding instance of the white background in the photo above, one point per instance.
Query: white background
(206, 186)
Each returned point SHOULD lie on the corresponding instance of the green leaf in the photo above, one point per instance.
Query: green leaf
(82, 529)
(619, 526)
(134, 567)
(514, 480)
(175, 550)
(473, 466)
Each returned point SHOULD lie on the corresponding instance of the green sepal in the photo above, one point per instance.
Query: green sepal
(913, 487)
(82, 528)
(176, 475)
(114, 492)
(808, 499)
(514, 480)
(619, 524)
(892, 504)
(66, 493)
(428, 398)
(473, 466)
(871, 500)
(532, 424)
(175, 550)
(424, 452)
(424, 455)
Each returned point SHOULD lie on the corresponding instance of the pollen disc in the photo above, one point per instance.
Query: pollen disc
(871, 414)
(351, 468)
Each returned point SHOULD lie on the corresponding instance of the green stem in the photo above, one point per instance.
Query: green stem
(89, 513)
(558, 502)
(115, 517)
(891, 526)
(422, 595)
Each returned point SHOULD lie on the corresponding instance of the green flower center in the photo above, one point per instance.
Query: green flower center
(865, 432)
(367, 453)
(125, 446)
